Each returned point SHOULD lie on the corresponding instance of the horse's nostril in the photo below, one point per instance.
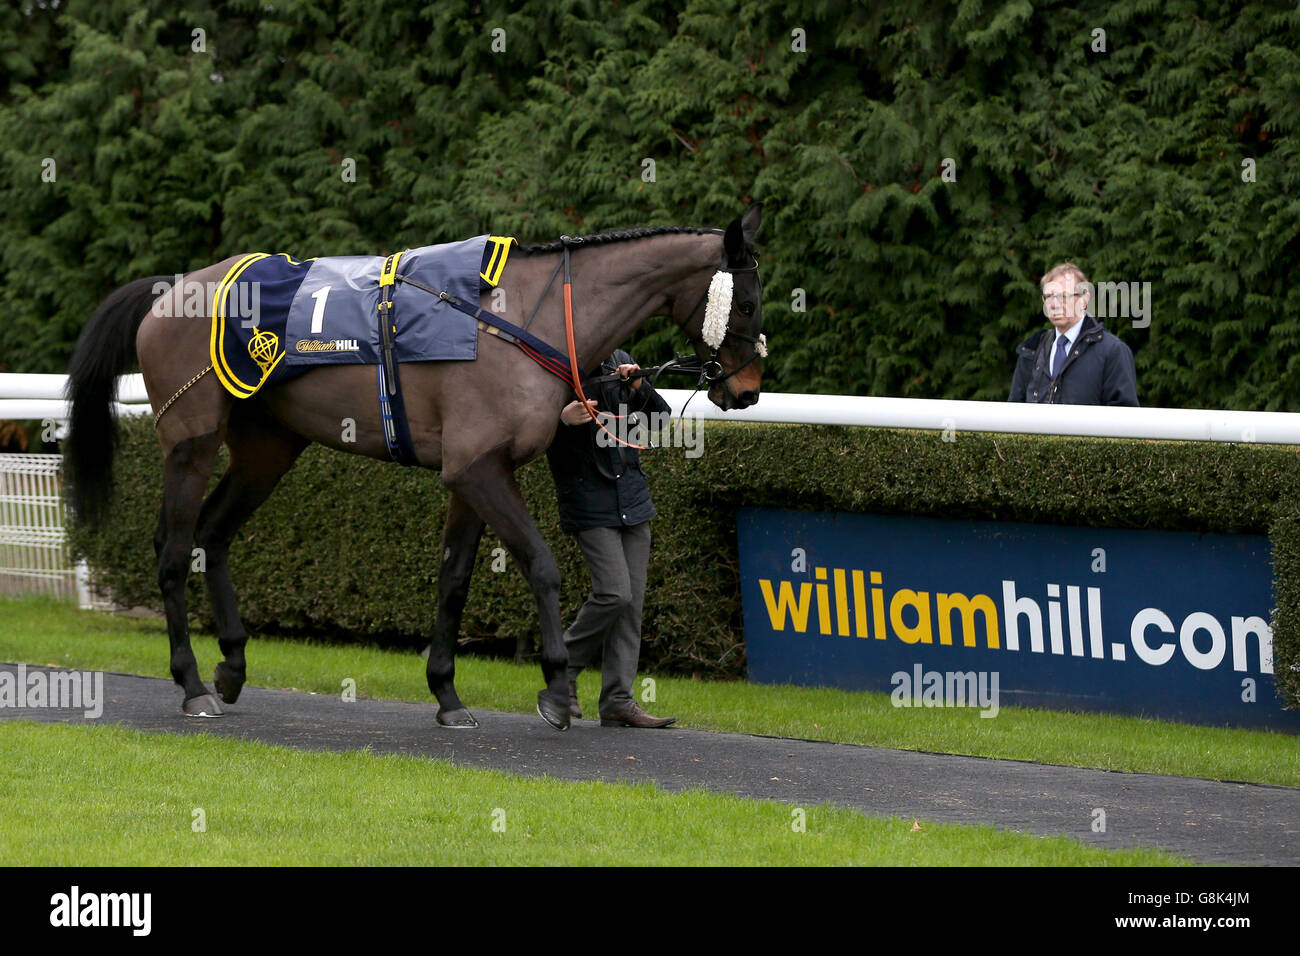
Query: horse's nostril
(747, 398)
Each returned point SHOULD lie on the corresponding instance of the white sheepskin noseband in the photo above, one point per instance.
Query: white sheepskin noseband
(717, 312)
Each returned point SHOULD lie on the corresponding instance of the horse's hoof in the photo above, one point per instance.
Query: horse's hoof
(227, 682)
(557, 715)
(205, 705)
(457, 719)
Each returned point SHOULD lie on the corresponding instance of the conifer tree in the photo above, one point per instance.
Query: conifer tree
(922, 164)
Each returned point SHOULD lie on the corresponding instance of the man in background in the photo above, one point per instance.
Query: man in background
(1078, 361)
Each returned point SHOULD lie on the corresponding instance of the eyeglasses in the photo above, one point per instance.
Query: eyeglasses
(1061, 297)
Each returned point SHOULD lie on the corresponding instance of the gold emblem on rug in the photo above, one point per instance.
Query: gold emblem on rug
(263, 348)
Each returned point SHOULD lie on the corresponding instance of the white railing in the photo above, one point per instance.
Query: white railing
(33, 543)
(130, 388)
(1185, 424)
(33, 553)
(41, 397)
(34, 556)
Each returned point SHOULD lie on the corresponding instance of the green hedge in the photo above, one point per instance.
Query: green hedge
(348, 547)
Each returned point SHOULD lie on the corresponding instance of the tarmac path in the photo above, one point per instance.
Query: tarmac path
(1205, 820)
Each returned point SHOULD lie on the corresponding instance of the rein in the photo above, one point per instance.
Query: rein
(710, 372)
(573, 349)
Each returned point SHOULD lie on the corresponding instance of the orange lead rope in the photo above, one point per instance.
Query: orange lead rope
(573, 352)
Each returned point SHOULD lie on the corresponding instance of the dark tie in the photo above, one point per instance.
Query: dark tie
(1062, 343)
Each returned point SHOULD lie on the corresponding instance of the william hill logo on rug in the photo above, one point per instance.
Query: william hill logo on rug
(328, 345)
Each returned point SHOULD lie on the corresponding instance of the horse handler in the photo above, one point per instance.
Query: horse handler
(604, 500)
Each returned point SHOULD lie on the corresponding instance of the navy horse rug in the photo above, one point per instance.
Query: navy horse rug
(275, 317)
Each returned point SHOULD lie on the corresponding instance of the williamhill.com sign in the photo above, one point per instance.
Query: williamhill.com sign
(1161, 624)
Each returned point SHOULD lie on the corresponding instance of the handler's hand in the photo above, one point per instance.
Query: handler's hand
(574, 414)
(625, 370)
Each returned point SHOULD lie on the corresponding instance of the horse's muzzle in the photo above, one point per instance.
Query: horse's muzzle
(732, 402)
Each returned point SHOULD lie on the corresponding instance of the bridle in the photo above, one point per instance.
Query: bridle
(711, 372)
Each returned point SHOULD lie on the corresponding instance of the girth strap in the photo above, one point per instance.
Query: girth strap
(392, 408)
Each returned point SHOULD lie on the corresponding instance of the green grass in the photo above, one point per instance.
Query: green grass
(104, 795)
(44, 632)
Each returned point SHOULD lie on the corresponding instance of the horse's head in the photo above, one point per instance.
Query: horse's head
(727, 333)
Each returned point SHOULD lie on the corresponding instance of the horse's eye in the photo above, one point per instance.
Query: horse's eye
(747, 308)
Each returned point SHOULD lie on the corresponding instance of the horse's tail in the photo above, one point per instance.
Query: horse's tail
(105, 350)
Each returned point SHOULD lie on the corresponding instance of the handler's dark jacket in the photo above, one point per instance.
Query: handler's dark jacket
(603, 487)
(1098, 369)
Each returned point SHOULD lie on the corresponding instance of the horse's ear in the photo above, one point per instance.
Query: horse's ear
(750, 222)
(740, 235)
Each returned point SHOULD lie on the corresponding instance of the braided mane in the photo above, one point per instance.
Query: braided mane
(622, 235)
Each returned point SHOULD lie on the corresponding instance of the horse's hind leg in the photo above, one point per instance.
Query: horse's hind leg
(261, 451)
(187, 468)
(460, 537)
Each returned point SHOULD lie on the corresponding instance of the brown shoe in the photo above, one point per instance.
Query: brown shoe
(574, 710)
(633, 716)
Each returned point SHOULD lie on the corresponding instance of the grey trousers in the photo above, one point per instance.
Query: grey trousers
(609, 623)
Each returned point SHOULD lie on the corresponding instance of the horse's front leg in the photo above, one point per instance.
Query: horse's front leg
(460, 537)
(488, 486)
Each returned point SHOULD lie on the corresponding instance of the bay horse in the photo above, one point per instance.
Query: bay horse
(474, 421)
